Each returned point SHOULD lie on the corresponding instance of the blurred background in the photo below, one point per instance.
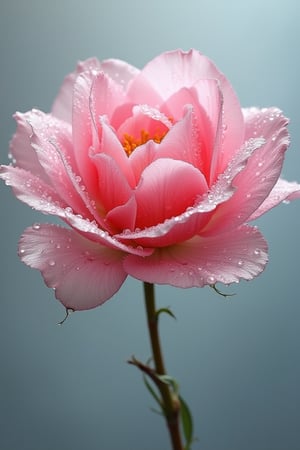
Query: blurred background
(237, 359)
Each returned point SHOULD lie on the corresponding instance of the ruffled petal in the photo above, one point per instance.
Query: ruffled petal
(255, 182)
(32, 190)
(23, 155)
(38, 195)
(225, 258)
(84, 274)
(166, 189)
(53, 148)
(283, 191)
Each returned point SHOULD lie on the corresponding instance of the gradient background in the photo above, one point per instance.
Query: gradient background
(237, 359)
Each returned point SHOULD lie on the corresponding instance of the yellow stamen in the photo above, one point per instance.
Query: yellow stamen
(130, 142)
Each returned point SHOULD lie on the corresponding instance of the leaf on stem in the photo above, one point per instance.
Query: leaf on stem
(187, 423)
(166, 311)
(154, 395)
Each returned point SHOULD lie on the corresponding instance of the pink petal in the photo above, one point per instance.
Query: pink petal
(119, 71)
(225, 258)
(255, 182)
(82, 127)
(188, 141)
(41, 197)
(140, 91)
(84, 274)
(171, 71)
(24, 156)
(105, 96)
(54, 152)
(112, 147)
(32, 190)
(123, 217)
(91, 231)
(206, 99)
(142, 157)
(193, 220)
(62, 106)
(114, 190)
(160, 195)
(283, 191)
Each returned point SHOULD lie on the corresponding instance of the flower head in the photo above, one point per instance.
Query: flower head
(157, 173)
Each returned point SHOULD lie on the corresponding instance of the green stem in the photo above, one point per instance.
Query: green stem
(170, 401)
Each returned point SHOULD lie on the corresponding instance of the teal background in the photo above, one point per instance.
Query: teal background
(237, 359)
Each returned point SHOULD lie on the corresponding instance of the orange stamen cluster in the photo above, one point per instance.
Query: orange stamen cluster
(130, 142)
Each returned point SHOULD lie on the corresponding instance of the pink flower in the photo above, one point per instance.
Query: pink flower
(157, 172)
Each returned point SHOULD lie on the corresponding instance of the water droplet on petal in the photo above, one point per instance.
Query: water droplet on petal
(211, 279)
(36, 226)
(51, 263)
(240, 263)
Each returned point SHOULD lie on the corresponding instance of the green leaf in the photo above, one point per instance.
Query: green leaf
(187, 423)
(152, 392)
(166, 311)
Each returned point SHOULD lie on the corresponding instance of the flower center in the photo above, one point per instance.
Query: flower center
(131, 142)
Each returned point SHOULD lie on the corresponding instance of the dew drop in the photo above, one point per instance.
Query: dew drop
(240, 263)
(51, 263)
(211, 279)
(36, 226)
(256, 252)
(22, 251)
